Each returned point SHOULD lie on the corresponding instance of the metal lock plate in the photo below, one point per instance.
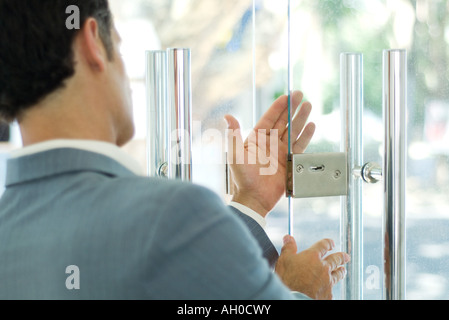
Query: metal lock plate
(317, 175)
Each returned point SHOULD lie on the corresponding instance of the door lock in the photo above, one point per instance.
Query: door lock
(317, 175)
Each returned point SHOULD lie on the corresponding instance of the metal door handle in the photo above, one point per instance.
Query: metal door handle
(169, 120)
(394, 171)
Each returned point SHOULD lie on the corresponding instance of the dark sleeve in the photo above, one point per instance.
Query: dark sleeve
(269, 251)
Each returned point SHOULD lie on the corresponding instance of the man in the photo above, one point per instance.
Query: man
(78, 222)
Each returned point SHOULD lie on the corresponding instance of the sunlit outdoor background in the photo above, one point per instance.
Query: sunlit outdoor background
(239, 66)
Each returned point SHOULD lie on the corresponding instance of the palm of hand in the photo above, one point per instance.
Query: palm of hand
(258, 166)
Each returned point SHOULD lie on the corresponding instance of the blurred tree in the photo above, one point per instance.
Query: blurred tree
(219, 34)
(428, 53)
(340, 21)
(428, 71)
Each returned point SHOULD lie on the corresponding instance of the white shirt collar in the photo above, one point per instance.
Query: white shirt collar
(107, 149)
(250, 213)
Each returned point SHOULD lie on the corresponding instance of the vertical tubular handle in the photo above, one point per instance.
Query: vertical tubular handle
(156, 95)
(394, 170)
(351, 96)
(180, 117)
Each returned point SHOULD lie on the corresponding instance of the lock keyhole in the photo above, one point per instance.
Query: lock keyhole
(319, 168)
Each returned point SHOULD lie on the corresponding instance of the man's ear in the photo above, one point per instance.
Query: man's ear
(92, 47)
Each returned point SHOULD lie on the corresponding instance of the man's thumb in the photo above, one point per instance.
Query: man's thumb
(289, 245)
(234, 141)
(232, 122)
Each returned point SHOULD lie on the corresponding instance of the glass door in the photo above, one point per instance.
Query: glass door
(321, 32)
(246, 53)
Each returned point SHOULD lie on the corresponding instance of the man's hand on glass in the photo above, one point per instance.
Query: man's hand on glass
(258, 164)
(313, 271)
(258, 171)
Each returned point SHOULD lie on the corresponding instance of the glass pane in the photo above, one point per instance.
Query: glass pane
(222, 69)
(323, 30)
(224, 50)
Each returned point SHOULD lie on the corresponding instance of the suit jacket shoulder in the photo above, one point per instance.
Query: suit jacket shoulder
(130, 237)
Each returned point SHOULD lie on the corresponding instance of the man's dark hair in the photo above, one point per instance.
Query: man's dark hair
(36, 55)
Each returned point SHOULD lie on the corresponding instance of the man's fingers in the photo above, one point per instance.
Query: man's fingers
(336, 262)
(303, 141)
(338, 275)
(281, 124)
(323, 247)
(299, 121)
(271, 116)
(232, 122)
(234, 140)
(338, 259)
(276, 117)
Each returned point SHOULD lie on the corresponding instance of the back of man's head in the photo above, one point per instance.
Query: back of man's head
(36, 48)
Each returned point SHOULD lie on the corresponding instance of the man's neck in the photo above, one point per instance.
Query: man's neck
(41, 124)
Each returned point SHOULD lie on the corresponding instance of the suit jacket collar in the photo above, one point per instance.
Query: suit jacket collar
(105, 148)
(59, 161)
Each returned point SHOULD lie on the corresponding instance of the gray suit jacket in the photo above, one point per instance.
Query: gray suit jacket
(269, 251)
(78, 225)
